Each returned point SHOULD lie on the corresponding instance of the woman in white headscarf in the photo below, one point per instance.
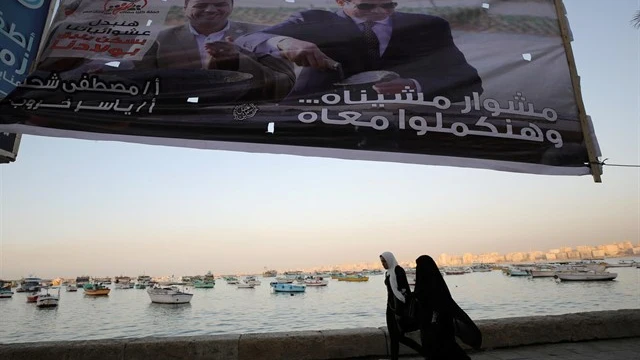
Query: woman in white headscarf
(398, 294)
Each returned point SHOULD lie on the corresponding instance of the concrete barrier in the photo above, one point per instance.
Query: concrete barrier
(330, 344)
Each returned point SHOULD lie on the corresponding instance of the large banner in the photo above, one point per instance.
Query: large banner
(21, 26)
(472, 83)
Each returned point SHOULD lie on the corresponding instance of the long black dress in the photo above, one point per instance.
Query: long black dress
(395, 308)
(441, 319)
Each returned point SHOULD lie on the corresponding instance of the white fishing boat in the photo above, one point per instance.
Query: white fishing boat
(316, 281)
(623, 263)
(46, 299)
(251, 280)
(169, 295)
(586, 276)
(30, 284)
(245, 286)
(455, 271)
(71, 288)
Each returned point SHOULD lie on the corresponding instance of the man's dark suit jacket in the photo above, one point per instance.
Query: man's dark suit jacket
(421, 48)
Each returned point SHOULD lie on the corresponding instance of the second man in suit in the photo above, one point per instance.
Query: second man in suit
(366, 35)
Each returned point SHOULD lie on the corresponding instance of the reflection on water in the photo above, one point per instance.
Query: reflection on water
(226, 309)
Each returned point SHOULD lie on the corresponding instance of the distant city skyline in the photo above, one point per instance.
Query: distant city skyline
(562, 253)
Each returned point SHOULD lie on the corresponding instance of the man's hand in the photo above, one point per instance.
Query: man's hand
(394, 86)
(224, 54)
(304, 53)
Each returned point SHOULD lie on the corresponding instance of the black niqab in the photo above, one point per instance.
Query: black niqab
(433, 294)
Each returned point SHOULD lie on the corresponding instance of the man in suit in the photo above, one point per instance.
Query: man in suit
(205, 42)
(367, 35)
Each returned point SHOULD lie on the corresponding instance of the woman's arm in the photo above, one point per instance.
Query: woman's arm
(403, 283)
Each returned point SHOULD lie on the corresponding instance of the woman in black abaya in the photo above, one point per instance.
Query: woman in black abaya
(441, 319)
(398, 294)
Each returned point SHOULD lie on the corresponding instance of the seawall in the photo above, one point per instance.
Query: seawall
(331, 344)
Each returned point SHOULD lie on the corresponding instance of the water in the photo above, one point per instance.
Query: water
(226, 309)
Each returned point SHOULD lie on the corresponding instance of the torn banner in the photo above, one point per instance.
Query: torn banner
(457, 85)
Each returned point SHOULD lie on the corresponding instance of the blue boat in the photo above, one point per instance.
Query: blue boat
(292, 288)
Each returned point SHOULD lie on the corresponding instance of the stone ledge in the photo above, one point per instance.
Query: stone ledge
(331, 344)
(549, 329)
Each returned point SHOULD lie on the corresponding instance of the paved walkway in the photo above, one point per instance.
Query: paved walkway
(619, 349)
(622, 349)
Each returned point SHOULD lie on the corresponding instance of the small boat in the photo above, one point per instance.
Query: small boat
(33, 297)
(142, 282)
(514, 271)
(356, 278)
(5, 293)
(123, 282)
(205, 282)
(291, 288)
(623, 263)
(102, 280)
(245, 286)
(586, 276)
(123, 285)
(232, 280)
(481, 268)
(251, 280)
(30, 284)
(82, 280)
(269, 273)
(455, 271)
(168, 295)
(96, 289)
(71, 288)
(47, 299)
(543, 273)
(316, 281)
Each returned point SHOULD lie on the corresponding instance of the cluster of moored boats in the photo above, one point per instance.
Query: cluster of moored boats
(44, 294)
(163, 292)
(565, 271)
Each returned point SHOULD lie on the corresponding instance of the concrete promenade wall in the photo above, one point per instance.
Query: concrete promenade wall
(330, 344)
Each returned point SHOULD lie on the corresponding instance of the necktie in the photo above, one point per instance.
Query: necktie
(373, 45)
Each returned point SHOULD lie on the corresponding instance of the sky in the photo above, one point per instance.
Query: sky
(71, 207)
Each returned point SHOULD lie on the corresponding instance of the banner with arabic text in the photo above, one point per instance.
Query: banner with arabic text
(470, 83)
(21, 25)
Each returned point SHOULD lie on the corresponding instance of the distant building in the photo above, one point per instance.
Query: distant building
(574, 255)
(585, 249)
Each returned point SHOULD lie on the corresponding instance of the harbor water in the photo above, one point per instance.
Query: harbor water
(227, 309)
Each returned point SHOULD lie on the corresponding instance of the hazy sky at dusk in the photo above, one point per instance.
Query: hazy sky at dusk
(72, 207)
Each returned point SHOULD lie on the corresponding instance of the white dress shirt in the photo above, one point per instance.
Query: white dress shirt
(205, 39)
(382, 29)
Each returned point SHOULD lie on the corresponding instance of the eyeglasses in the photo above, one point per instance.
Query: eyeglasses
(369, 6)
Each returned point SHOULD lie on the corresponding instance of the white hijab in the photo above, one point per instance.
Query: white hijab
(391, 273)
